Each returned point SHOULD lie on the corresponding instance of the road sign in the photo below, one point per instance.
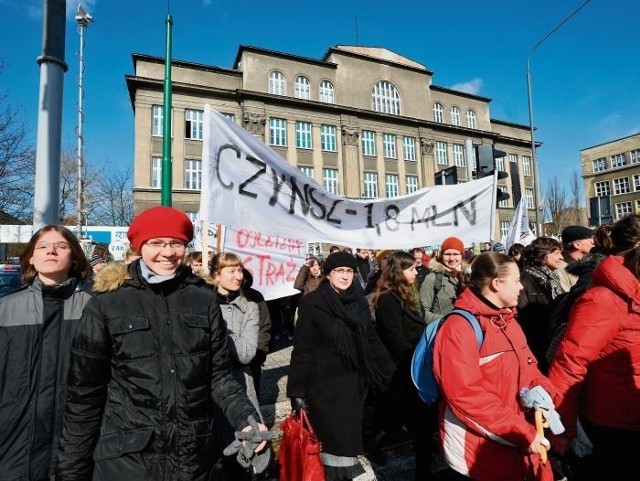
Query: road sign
(117, 249)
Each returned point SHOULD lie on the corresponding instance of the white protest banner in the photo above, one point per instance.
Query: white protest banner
(248, 185)
(273, 261)
(519, 230)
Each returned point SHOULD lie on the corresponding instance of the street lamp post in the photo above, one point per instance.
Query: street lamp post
(534, 157)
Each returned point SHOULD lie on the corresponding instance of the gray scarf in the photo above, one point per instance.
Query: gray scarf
(547, 279)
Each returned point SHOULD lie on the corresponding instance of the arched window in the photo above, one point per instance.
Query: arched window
(471, 119)
(326, 92)
(277, 85)
(302, 88)
(386, 98)
(455, 116)
(438, 113)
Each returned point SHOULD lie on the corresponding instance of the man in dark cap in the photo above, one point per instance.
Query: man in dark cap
(577, 242)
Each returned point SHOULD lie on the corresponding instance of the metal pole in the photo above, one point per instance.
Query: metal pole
(52, 68)
(82, 18)
(166, 130)
(534, 159)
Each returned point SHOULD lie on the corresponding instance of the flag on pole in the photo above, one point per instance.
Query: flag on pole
(519, 230)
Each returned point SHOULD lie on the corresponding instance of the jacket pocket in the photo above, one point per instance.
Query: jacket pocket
(196, 320)
(116, 444)
(128, 324)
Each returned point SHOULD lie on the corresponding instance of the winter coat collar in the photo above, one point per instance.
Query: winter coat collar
(115, 275)
(479, 306)
(437, 266)
(612, 274)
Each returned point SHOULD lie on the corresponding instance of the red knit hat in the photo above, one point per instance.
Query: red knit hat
(452, 243)
(159, 222)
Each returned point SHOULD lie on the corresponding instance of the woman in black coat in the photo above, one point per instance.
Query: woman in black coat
(336, 357)
(541, 286)
(400, 323)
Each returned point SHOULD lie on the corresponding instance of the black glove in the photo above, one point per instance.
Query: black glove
(297, 403)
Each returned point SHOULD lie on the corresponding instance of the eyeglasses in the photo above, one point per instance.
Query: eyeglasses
(342, 272)
(159, 245)
(44, 245)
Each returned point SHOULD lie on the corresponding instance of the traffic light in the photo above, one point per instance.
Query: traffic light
(486, 156)
(448, 176)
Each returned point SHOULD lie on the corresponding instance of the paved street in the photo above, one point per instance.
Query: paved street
(399, 459)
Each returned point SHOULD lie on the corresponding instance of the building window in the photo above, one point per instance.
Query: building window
(386, 98)
(458, 155)
(302, 89)
(602, 188)
(303, 135)
(528, 197)
(505, 225)
(308, 171)
(438, 113)
(328, 138)
(368, 143)
(455, 116)
(278, 132)
(392, 187)
(412, 183)
(326, 92)
(156, 120)
(330, 180)
(635, 156)
(409, 148)
(618, 160)
(441, 153)
(526, 165)
(513, 158)
(500, 163)
(621, 186)
(637, 206)
(193, 174)
(622, 209)
(194, 124)
(156, 172)
(600, 165)
(389, 146)
(471, 119)
(231, 117)
(636, 182)
(503, 202)
(277, 84)
(370, 190)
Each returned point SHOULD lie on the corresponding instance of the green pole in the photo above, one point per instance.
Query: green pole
(166, 126)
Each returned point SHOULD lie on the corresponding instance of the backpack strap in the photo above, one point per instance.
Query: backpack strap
(475, 324)
(437, 286)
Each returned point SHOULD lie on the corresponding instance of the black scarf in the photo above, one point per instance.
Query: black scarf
(227, 298)
(349, 337)
(546, 278)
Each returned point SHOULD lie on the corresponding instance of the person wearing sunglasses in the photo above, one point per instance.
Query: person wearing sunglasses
(149, 360)
(37, 324)
(337, 358)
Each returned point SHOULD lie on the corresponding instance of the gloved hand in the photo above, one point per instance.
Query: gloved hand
(539, 444)
(538, 398)
(297, 403)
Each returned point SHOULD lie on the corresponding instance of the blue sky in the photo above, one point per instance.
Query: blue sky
(585, 76)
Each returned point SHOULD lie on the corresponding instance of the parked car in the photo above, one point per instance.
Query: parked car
(9, 278)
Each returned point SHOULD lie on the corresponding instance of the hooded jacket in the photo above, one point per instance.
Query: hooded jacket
(597, 367)
(436, 304)
(36, 328)
(484, 430)
(147, 363)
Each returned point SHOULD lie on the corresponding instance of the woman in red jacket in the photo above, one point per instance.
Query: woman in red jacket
(486, 434)
(597, 367)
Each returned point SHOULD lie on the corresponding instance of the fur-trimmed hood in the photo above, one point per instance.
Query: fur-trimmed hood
(437, 266)
(587, 264)
(111, 277)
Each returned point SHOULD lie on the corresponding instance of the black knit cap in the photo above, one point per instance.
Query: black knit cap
(339, 259)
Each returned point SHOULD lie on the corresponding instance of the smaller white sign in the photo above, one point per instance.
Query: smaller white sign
(117, 249)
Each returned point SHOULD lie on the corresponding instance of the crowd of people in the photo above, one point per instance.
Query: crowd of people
(150, 368)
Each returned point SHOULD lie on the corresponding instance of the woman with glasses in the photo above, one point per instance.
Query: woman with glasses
(149, 360)
(337, 356)
(36, 327)
(446, 280)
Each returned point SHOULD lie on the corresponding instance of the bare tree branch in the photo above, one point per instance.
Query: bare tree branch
(555, 205)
